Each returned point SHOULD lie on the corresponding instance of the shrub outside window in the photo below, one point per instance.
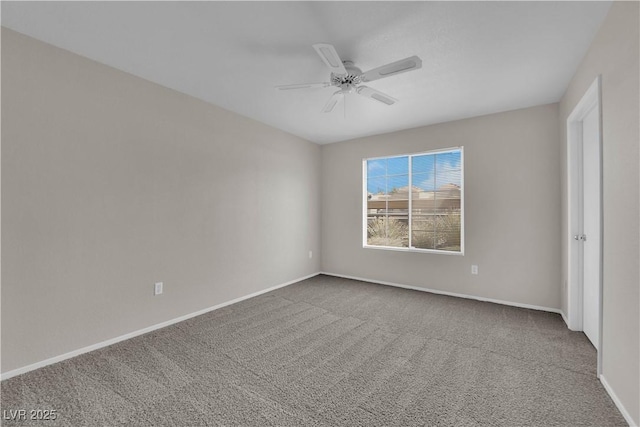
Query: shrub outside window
(415, 202)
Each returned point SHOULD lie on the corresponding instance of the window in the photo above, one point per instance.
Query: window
(415, 202)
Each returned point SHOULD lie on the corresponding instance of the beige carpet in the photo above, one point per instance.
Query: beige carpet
(330, 351)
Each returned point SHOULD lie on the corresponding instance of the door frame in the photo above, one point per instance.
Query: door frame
(591, 99)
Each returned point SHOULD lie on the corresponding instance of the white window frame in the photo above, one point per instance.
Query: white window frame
(413, 249)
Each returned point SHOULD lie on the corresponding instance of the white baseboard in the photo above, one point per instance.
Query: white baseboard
(74, 353)
(614, 397)
(564, 317)
(452, 294)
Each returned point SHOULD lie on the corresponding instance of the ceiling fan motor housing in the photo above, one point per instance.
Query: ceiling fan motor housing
(349, 80)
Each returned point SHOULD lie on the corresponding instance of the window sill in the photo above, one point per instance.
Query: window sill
(424, 251)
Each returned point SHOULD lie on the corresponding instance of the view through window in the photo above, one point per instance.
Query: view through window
(415, 201)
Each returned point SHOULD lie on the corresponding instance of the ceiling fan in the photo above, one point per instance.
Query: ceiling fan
(349, 78)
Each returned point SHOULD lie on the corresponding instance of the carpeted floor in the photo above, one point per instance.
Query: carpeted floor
(331, 351)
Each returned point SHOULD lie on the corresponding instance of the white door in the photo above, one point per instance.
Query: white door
(591, 217)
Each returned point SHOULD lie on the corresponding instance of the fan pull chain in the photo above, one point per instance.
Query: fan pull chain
(345, 105)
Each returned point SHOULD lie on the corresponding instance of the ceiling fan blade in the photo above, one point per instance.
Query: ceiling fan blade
(302, 86)
(374, 94)
(404, 65)
(330, 57)
(332, 102)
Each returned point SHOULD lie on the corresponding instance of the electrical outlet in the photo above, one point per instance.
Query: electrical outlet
(310, 254)
(474, 269)
(157, 290)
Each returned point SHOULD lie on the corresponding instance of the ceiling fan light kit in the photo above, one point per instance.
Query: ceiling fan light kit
(349, 78)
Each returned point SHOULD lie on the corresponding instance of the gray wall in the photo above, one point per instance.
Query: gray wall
(614, 55)
(512, 208)
(111, 183)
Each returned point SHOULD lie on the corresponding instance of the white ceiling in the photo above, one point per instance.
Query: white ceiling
(478, 57)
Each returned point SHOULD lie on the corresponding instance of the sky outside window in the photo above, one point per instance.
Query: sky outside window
(430, 172)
